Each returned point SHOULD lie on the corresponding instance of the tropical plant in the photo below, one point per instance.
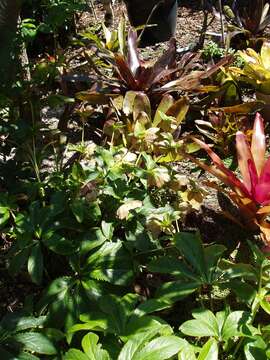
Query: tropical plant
(251, 193)
(256, 69)
(165, 75)
(222, 123)
(140, 128)
(246, 21)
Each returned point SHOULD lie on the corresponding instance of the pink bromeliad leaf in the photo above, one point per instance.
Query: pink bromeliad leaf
(258, 144)
(224, 174)
(265, 174)
(255, 171)
(133, 54)
(262, 193)
(253, 176)
(245, 161)
(263, 186)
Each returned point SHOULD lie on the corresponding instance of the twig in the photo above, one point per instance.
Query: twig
(149, 18)
(221, 22)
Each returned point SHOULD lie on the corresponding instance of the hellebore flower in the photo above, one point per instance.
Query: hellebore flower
(251, 193)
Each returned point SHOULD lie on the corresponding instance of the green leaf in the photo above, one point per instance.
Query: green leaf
(92, 348)
(4, 215)
(91, 240)
(162, 348)
(145, 324)
(35, 264)
(141, 105)
(107, 229)
(36, 342)
(18, 322)
(233, 324)
(212, 255)
(136, 343)
(205, 324)
(74, 354)
(119, 310)
(5, 355)
(255, 348)
(150, 306)
(106, 253)
(187, 352)
(110, 263)
(233, 271)
(176, 290)
(166, 102)
(179, 109)
(59, 244)
(265, 305)
(77, 206)
(190, 246)
(56, 290)
(95, 325)
(244, 291)
(209, 351)
(171, 265)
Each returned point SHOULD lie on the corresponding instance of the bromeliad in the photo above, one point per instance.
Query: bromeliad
(251, 193)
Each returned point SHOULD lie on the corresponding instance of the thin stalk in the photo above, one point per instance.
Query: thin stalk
(177, 225)
(148, 19)
(34, 154)
(91, 5)
(221, 23)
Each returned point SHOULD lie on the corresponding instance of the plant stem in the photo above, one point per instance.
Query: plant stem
(221, 23)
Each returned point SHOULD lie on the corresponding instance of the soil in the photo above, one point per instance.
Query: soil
(188, 28)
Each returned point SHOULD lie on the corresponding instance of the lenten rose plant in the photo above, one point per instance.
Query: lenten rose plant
(251, 192)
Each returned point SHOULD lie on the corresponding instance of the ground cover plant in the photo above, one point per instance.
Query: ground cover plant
(134, 185)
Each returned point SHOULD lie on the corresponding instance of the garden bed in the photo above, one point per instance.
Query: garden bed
(134, 189)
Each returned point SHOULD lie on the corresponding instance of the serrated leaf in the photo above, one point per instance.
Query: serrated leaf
(244, 291)
(59, 244)
(176, 290)
(130, 349)
(162, 348)
(18, 322)
(36, 342)
(204, 324)
(150, 306)
(233, 323)
(190, 246)
(171, 265)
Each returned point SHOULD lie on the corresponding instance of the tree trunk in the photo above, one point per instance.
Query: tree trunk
(9, 13)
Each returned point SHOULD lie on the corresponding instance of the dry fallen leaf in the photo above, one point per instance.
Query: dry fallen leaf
(123, 211)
